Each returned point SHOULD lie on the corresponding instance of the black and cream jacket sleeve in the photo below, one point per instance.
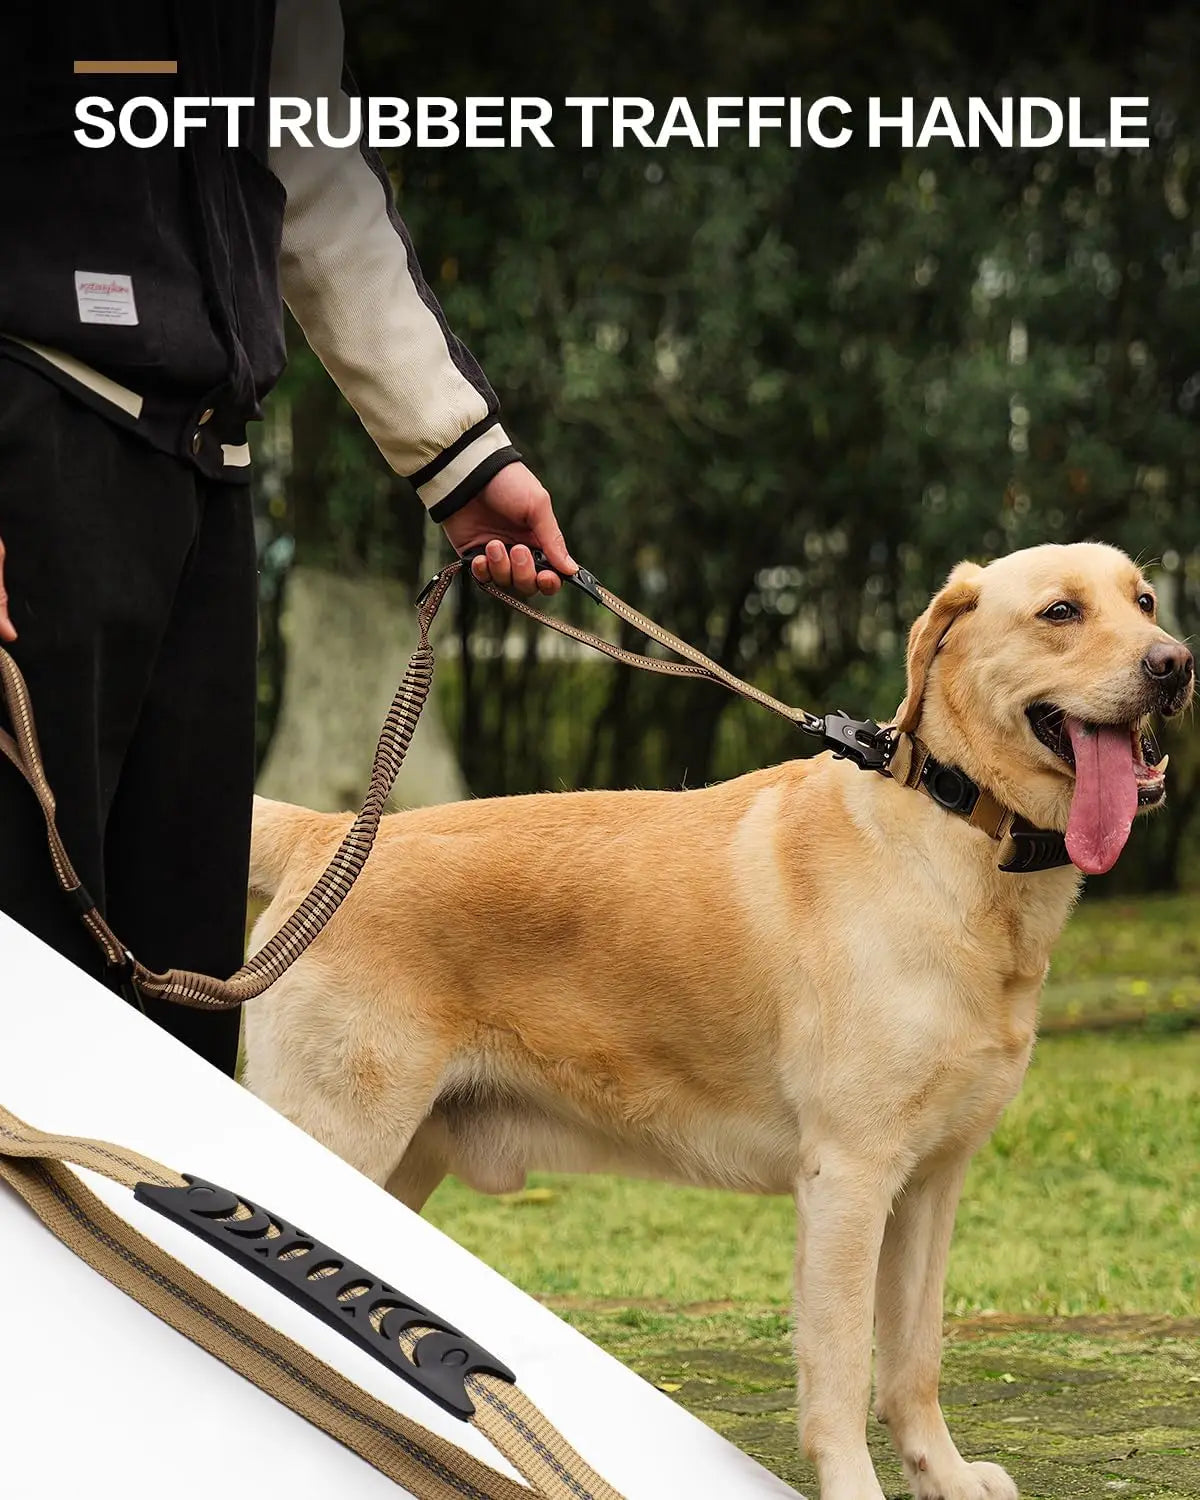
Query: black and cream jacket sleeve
(351, 279)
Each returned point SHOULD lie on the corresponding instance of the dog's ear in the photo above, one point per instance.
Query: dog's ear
(960, 594)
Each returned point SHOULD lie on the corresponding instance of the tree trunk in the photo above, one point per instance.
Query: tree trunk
(348, 641)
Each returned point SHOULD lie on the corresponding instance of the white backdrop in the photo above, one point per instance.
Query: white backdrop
(152, 1415)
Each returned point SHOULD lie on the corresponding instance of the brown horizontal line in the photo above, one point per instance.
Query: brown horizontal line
(127, 65)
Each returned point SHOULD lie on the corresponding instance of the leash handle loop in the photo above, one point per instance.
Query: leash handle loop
(203, 991)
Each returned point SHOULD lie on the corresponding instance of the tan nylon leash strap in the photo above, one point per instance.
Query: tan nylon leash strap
(34, 1164)
(693, 664)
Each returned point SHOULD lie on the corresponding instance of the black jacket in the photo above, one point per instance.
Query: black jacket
(197, 229)
(200, 230)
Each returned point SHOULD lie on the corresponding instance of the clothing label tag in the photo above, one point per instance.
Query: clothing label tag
(104, 298)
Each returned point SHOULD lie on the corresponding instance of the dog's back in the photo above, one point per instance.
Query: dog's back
(290, 845)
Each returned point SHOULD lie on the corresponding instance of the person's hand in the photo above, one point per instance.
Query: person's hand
(8, 631)
(510, 515)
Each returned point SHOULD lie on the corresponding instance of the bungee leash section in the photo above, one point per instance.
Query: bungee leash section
(870, 746)
(424, 1350)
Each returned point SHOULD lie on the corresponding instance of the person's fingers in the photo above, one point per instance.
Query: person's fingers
(548, 583)
(524, 574)
(498, 564)
(8, 630)
(551, 540)
(479, 569)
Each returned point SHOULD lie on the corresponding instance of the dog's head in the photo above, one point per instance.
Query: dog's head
(1036, 675)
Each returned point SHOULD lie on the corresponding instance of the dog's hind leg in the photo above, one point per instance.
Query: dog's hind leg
(373, 1141)
(423, 1165)
(357, 1090)
(908, 1320)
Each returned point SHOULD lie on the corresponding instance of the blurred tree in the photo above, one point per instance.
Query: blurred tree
(778, 393)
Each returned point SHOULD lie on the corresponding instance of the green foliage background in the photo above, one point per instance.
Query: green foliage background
(778, 393)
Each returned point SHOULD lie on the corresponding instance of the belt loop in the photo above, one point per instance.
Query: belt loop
(908, 760)
(991, 818)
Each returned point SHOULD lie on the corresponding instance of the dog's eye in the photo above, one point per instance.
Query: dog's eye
(1146, 603)
(1060, 612)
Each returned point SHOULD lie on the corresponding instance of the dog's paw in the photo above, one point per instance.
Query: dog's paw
(980, 1481)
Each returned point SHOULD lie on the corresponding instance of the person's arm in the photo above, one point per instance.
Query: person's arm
(7, 628)
(352, 280)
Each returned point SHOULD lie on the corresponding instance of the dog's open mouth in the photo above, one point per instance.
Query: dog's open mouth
(1049, 724)
(1116, 772)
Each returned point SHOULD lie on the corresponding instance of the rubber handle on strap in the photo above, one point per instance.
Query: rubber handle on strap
(425, 1464)
(358, 1305)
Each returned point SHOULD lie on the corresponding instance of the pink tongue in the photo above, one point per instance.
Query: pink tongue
(1106, 796)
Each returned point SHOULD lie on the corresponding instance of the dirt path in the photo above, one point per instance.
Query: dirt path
(1074, 1408)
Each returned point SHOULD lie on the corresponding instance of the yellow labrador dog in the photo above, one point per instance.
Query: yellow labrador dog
(811, 980)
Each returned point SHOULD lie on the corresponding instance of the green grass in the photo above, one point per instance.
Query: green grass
(1119, 956)
(1087, 1200)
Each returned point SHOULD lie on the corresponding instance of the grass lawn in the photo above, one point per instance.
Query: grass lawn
(1122, 956)
(1073, 1293)
(1087, 1200)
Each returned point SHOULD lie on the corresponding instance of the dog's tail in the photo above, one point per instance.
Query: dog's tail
(279, 837)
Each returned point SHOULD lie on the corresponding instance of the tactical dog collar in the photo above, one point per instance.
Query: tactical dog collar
(1024, 848)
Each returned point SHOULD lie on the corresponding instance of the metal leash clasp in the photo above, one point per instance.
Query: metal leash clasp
(429, 588)
(121, 977)
(862, 741)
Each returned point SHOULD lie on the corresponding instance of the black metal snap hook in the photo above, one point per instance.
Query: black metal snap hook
(862, 741)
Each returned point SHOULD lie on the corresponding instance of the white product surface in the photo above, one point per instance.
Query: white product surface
(101, 1398)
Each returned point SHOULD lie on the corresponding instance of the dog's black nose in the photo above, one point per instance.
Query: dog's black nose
(1169, 665)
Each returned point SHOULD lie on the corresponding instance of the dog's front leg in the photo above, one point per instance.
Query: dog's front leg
(912, 1272)
(842, 1206)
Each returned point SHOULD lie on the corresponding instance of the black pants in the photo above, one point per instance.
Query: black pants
(131, 582)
